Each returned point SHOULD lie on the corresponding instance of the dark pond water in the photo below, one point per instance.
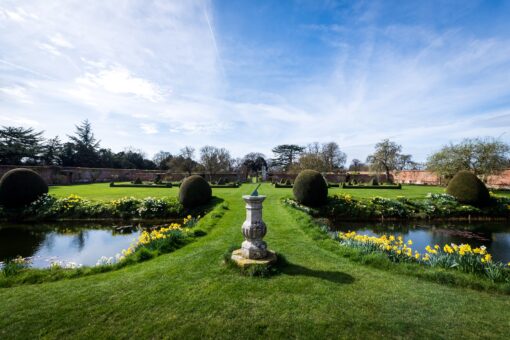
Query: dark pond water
(82, 244)
(494, 235)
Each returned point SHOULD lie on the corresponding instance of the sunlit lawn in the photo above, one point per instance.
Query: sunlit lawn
(190, 294)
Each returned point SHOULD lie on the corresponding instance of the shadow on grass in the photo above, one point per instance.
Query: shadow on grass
(332, 276)
(202, 210)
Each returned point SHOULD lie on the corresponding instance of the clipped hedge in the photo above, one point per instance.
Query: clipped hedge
(167, 185)
(194, 191)
(310, 188)
(19, 187)
(468, 189)
(348, 186)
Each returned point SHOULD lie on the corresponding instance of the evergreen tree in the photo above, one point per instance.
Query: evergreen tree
(85, 146)
(20, 146)
(286, 155)
(52, 152)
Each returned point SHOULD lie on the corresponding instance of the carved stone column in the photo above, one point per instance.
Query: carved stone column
(253, 250)
(254, 229)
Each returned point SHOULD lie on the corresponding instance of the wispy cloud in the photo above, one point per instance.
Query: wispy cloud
(187, 72)
(149, 129)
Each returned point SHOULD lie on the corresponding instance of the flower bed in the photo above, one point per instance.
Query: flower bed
(459, 257)
(49, 207)
(344, 206)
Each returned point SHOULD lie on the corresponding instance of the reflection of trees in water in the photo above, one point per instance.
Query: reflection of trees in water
(16, 241)
(78, 240)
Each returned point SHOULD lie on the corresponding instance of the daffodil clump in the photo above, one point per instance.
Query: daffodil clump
(461, 257)
(163, 239)
(433, 206)
(49, 207)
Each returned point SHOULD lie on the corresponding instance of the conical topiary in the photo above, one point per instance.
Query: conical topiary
(468, 189)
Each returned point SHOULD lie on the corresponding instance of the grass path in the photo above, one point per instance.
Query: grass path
(190, 294)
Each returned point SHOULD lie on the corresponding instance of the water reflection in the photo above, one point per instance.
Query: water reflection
(79, 243)
(494, 235)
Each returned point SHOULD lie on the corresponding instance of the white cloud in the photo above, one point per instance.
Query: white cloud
(59, 40)
(18, 121)
(149, 129)
(119, 80)
(19, 93)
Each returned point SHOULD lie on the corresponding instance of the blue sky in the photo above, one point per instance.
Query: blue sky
(249, 75)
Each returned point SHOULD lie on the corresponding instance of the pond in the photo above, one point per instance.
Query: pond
(82, 244)
(494, 235)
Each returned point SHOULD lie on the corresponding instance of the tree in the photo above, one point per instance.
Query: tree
(184, 161)
(322, 157)
(312, 161)
(214, 159)
(405, 162)
(254, 162)
(482, 156)
(385, 157)
(52, 152)
(19, 145)
(286, 155)
(333, 156)
(85, 146)
(357, 165)
(162, 159)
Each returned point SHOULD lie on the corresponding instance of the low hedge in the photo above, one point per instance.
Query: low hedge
(228, 185)
(347, 186)
(278, 185)
(113, 185)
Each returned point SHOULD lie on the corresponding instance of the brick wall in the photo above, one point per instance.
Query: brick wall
(55, 175)
(500, 181)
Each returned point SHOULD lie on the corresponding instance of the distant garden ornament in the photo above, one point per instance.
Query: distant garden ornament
(254, 249)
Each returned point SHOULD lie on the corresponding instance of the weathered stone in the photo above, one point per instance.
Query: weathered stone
(243, 262)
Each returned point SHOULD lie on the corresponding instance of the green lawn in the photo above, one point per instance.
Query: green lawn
(190, 294)
(102, 191)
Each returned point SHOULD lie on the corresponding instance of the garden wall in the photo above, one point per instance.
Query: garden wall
(55, 175)
(500, 181)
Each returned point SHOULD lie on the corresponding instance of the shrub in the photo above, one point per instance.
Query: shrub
(468, 189)
(137, 181)
(288, 182)
(310, 188)
(222, 181)
(373, 181)
(19, 187)
(194, 191)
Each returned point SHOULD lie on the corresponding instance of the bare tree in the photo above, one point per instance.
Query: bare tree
(385, 157)
(214, 159)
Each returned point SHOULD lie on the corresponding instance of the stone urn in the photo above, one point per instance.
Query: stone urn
(254, 229)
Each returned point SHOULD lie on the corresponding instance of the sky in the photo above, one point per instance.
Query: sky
(249, 75)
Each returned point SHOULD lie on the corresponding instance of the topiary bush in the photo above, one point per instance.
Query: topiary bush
(468, 189)
(373, 181)
(194, 191)
(310, 188)
(137, 181)
(19, 187)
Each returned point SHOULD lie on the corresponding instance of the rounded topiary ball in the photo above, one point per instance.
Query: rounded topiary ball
(310, 188)
(19, 187)
(468, 189)
(194, 191)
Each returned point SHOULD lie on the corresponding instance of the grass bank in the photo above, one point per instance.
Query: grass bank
(190, 294)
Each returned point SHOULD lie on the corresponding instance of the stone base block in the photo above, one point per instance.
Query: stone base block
(241, 261)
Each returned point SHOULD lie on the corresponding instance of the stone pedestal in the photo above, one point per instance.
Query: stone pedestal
(254, 229)
(253, 249)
